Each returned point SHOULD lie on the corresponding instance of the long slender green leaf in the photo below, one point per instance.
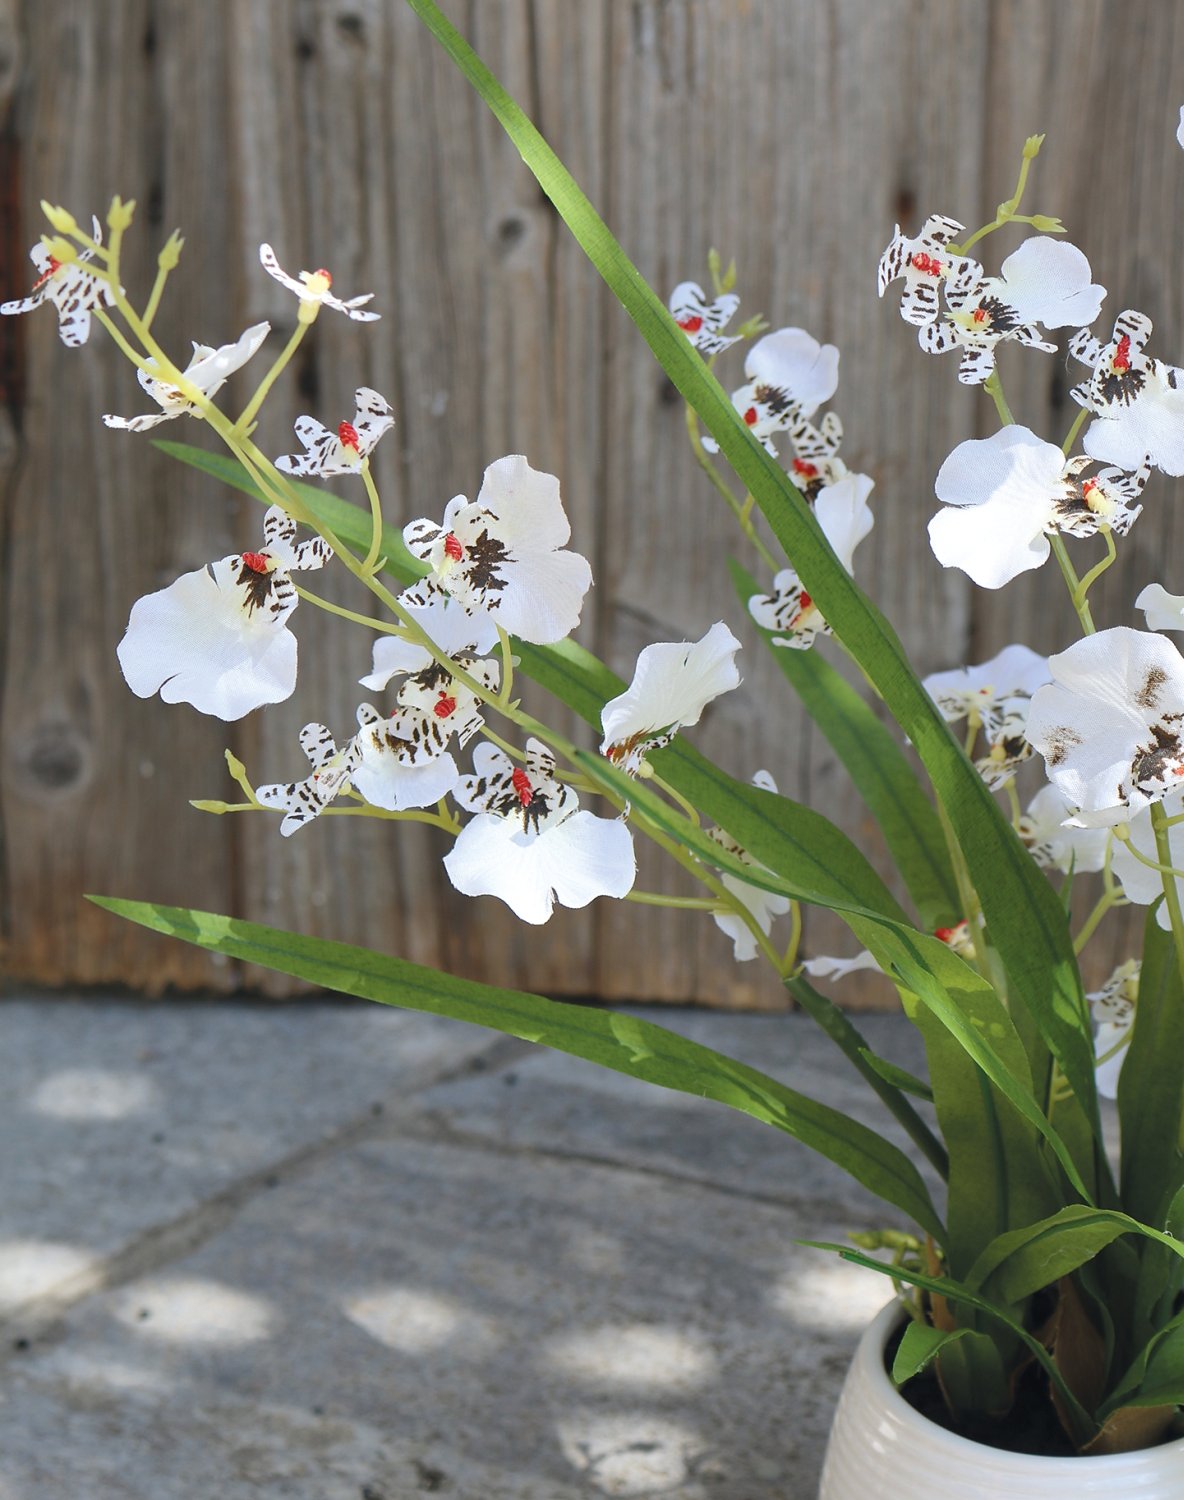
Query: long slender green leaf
(919, 1347)
(881, 1075)
(1023, 913)
(1150, 1096)
(956, 1291)
(1022, 1261)
(625, 1044)
(963, 1001)
(879, 769)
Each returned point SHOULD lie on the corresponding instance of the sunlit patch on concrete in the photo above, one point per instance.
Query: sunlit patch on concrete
(639, 1357)
(90, 1373)
(30, 1268)
(417, 1322)
(636, 1454)
(196, 1312)
(830, 1294)
(93, 1094)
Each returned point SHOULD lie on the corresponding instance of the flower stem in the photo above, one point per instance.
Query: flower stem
(1073, 583)
(277, 369)
(677, 797)
(1071, 436)
(349, 614)
(1171, 891)
(1095, 572)
(1106, 902)
(507, 656)
(371, 561)
(743, 516)
(994, 388)
(686, 903)
(1163, 863)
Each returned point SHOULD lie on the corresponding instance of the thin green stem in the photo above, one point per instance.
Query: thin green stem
(1072, 583)
(249, 411)
(350, 614)
(967, 895)
(371, 561)
(1007, 213)
(1171, 891)
(686, 903)
(677, 797)
(162, 276)
(1162, 864)
(993, 386)
(789, 958)
(743, 519)
(507, 656)
(1071, 436)
(1107, 901)
(1097, 570)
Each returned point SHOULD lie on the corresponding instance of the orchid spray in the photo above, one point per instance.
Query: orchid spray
(1031, 1273)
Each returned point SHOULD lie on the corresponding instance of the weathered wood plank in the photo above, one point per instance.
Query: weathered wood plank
(790, 133)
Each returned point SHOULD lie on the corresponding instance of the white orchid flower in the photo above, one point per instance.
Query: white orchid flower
(392, 770)
(673, 683)
(312, 288)
(1053, 844)
(1140, 883)
(838, 968)
(208, 370)
(501, 555)
(995, 696)
(1161, 610)
(816, 462)
(1109, 724)
(843, 513)
(1045, 281)
(764, 905)
(1006, 494)
(529, 844)
(1137, 402)
(456, 631)
(344, 451)
(302, 801)
(700, 320)
(70, 287)
(217, 637)
(1114, 1012)
(925, 264)
(790, 374)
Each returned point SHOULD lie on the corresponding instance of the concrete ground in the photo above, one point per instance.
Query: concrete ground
(337, 1252)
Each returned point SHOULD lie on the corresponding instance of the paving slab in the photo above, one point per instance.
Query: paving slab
(523, 1279)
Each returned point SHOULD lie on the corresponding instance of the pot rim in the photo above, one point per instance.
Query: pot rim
(869, 1357)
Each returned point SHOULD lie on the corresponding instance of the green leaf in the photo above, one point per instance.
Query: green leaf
(900, 1078)
(1022, 910)
(957, 1292)
(1150, 1096)
(883, 1076)
(803, 857)
(880, 770)
(626, 1044)
(1022, 1261)
(919, 1346)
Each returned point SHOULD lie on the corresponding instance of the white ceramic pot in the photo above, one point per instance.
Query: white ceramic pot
(881, 1449)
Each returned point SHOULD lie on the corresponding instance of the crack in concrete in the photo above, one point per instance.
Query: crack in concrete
(38, 1318)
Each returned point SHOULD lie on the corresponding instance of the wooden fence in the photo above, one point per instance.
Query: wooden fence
(792, 134)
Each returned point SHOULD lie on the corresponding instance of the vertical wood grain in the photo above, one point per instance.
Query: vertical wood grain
(791, 134)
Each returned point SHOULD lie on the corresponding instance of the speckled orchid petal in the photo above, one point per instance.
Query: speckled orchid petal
(73, 291)
(344, 450)
(208, 370)
(672, 684)
(1109, 724)
(217, 638)
(503, 555)
(312, 287)
(302, 801)
(925, 264)
(1056, 846)
(529, 844)
(701, 320)
(1137, 402)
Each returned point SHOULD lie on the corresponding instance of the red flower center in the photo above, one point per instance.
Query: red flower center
(347, 435)
(323, 273)
(805, 603)
(928, 265)
(444, 705)
(1088, 488)
(452, 547)
(691, 324)
(800, 466)
(750, 416)
(258, 562)
(946, 934)
(521, 784)
(980, 315)
(1122, 355)
(54, 265)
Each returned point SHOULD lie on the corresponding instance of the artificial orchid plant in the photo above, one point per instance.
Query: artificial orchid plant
(1035, 1265)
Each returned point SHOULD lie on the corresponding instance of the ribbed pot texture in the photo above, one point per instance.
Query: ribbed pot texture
(881, 1449)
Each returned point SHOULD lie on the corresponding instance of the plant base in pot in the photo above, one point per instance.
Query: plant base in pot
(881, 1449)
